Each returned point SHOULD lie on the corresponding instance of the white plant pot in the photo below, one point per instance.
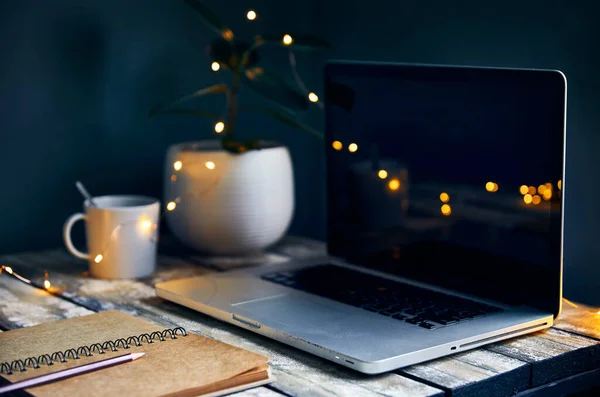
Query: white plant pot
(228, 204)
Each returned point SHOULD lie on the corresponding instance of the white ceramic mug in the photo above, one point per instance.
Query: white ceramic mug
(121, 234)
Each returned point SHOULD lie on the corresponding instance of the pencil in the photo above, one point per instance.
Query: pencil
(70, 372)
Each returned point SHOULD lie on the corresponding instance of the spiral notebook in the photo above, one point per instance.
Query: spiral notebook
(176, 363)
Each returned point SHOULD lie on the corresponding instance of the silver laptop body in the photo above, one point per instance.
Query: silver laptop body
(461, 213)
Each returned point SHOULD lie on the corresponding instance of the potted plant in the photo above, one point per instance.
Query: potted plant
(224, 195)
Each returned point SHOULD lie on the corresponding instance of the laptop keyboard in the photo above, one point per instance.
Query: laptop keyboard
(413, 305)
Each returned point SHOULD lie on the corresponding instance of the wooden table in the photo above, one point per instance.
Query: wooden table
(560, 361)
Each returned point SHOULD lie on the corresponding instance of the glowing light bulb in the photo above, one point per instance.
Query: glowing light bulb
(98, 258)
(313, 97)
(394, 184)
(337, 145)
(8, 269)
(531, 190)
(490, 186)
(287, 39)
(145, 224)
(559, 185)
(171, 206)
(47, 284)
(444, 197)
(547, 194)
(527, 198)
(173, 178)
(219, 127)
(177, 165)
(523, 189)
(541, 189)
(353, 147)
(210, 165)
(215, 66)
(536, 199)
(446, 209)
(382, 174)
(548, 185)
(251, 15)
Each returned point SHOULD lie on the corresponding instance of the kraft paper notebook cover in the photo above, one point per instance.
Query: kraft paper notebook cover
(185, 366)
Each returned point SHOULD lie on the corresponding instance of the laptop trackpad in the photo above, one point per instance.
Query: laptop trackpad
(292, 311)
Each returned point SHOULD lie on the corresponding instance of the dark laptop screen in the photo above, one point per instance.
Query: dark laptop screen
(449, 175)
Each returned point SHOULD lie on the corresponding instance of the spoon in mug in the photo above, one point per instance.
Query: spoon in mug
(85, 193)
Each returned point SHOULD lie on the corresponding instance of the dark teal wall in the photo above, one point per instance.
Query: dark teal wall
(536, 33)
(77, 79)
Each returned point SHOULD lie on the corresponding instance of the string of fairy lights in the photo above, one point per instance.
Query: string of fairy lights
(287, 40)
(147, 226)
(144, 225)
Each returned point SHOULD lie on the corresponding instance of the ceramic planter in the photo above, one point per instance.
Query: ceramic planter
(225, 203)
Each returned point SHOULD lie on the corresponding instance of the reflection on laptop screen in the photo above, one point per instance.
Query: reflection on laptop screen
(448, 175)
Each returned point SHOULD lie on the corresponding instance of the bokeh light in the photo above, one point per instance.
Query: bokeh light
(394, 184)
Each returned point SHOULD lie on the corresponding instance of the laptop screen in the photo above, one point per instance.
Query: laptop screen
(448, 175)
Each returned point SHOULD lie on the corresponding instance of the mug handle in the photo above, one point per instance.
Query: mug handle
(67, 236)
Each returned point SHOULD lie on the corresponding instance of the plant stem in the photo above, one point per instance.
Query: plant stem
(233, 102)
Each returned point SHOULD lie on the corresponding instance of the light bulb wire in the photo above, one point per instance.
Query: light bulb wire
(298, 79)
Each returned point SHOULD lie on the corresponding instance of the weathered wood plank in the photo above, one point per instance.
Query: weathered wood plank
(586, 384)
(257, 392)
(582, 320)
(298, 373)
(553, 354)
(462, 374)
(473, 373)
(22, 305)
(70, 280)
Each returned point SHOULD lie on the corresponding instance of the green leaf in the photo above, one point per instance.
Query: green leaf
(288, 118)
(215, 89)
(299, 42)
(275, 88)
(191, 112)
(229, 53)
(210, 19)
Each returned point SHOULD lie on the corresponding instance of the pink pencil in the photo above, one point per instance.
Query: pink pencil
(70, 372)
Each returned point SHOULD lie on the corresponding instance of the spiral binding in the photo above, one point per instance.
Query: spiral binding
(87, 351)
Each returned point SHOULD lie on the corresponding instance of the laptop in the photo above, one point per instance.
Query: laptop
(445, 224)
